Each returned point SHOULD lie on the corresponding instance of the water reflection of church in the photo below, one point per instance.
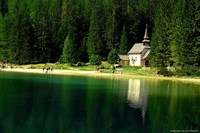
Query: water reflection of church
(137, 97)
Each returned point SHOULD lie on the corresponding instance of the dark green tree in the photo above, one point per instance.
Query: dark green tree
(113, 57)
(160, 51)
(113, 24)
(194, 35)
(40, 17)
(68, 55)
(83, 51)
(132, 23)
(95, 60)
(3, 7)
(21, 37)
(76, 47)
(75, 26)
(176, 38)
(55, 20)
(95, 43)
(4, 49)
(184, 33)
(123, 42)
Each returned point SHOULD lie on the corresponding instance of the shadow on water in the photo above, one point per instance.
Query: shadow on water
(63, 104)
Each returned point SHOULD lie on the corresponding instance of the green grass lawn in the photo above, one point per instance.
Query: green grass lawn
(105, 68)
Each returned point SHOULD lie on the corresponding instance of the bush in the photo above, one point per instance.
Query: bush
(95, 60)
(165, 72)
(187, 70)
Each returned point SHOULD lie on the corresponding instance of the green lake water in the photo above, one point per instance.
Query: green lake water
(43, 103)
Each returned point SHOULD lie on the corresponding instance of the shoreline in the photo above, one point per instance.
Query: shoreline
(93, 73)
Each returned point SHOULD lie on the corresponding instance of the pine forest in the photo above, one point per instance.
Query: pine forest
(70, 31)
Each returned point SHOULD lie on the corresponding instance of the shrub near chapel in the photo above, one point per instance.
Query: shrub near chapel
(113, 57)
(95, 60)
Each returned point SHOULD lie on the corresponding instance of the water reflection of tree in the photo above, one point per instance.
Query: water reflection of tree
(174, 105)
(107, 110)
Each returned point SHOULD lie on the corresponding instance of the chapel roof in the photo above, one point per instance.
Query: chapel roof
(123, 57)
(146, 54)
(138, 48)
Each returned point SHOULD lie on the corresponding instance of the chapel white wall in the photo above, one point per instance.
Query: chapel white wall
(135, 59)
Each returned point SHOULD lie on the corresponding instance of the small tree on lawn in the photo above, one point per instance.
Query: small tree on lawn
(113, 57)
(95, 60)
(69, 52)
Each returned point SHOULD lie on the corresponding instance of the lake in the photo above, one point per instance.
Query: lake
(44, 103)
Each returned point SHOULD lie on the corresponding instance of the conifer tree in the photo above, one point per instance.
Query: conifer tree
(95, 43)
(68, 55)
(113, 57)
(113, 24)
(183, 33)
(4, 49)
(123, 42)
(3, 7)
(160, 51)
(40, 17)
(95, 60)
(83, 55)
(74, 38)
(21, 37)
(55, 20)
(194, 35)
(176, 38)
(26, 36)
(63, 29)
(132, 23)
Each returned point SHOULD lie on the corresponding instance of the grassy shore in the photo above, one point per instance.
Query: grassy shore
(87, 70)
(105, 68)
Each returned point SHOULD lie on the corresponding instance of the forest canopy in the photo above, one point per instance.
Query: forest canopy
(73, 30)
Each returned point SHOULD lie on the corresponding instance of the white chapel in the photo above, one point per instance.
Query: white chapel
(138, 54)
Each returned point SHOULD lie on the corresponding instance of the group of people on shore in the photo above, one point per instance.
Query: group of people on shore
(2, 66)
(48, 69)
